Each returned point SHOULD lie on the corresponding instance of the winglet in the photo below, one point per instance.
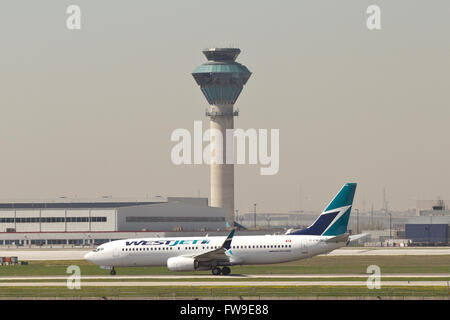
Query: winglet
(227, 243)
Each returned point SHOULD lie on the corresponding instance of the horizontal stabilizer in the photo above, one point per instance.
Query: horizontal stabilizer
(341, 238)
(358, 236)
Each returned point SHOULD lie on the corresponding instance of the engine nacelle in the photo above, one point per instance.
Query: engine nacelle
(182, 264)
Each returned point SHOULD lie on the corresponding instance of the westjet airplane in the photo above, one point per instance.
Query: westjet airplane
(217, 254)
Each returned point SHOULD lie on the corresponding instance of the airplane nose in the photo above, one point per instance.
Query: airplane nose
(89, 257)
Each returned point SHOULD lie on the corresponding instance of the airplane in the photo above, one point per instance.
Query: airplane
(219, 253)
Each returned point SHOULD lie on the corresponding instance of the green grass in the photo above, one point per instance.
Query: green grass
(316, 265)
(211, 292)
(227, 279)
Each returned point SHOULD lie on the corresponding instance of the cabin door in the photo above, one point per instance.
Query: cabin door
(116, 252)
(304, 249)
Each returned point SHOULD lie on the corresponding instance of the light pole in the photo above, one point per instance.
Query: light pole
(357, 221)
(241, 219)
(268, 223)
(254, 216)
(390, 225)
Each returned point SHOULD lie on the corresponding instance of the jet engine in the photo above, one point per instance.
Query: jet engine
(182, 264)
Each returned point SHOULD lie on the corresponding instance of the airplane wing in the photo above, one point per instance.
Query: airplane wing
(221, 254)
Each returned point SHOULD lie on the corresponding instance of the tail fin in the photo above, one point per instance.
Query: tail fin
(334, 219)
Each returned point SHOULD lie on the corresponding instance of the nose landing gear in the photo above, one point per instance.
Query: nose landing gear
(112, 272)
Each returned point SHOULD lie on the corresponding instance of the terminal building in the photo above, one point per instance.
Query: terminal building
(92, 223)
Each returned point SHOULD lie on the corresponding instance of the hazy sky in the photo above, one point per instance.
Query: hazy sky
(90, 112)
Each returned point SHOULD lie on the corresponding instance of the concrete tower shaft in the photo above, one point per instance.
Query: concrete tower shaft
(221, 80)
(222, 175)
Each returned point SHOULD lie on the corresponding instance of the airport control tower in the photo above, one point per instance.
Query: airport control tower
(221, 80)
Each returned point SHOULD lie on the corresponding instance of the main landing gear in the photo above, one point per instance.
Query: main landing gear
(112, 272)
(217, 271)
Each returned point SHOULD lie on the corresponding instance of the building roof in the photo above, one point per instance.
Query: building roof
(73, 205)
(221, 54)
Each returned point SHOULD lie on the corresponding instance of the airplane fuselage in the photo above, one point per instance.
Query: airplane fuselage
(244, 249)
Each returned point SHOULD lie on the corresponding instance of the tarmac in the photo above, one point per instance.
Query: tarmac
(223, 283)
(232, 276)
(181, 280)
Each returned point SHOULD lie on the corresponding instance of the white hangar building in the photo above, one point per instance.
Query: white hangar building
(90, 223)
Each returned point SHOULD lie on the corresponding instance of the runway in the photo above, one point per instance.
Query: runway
(391, 251)
(223, 281)
(236, 277)
(225, 284)
(27, 254)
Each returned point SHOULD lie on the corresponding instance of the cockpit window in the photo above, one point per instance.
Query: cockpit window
(98, 249)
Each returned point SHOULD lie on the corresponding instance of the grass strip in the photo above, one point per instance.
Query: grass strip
(316, 265)
(225, 279)
(222, 291)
